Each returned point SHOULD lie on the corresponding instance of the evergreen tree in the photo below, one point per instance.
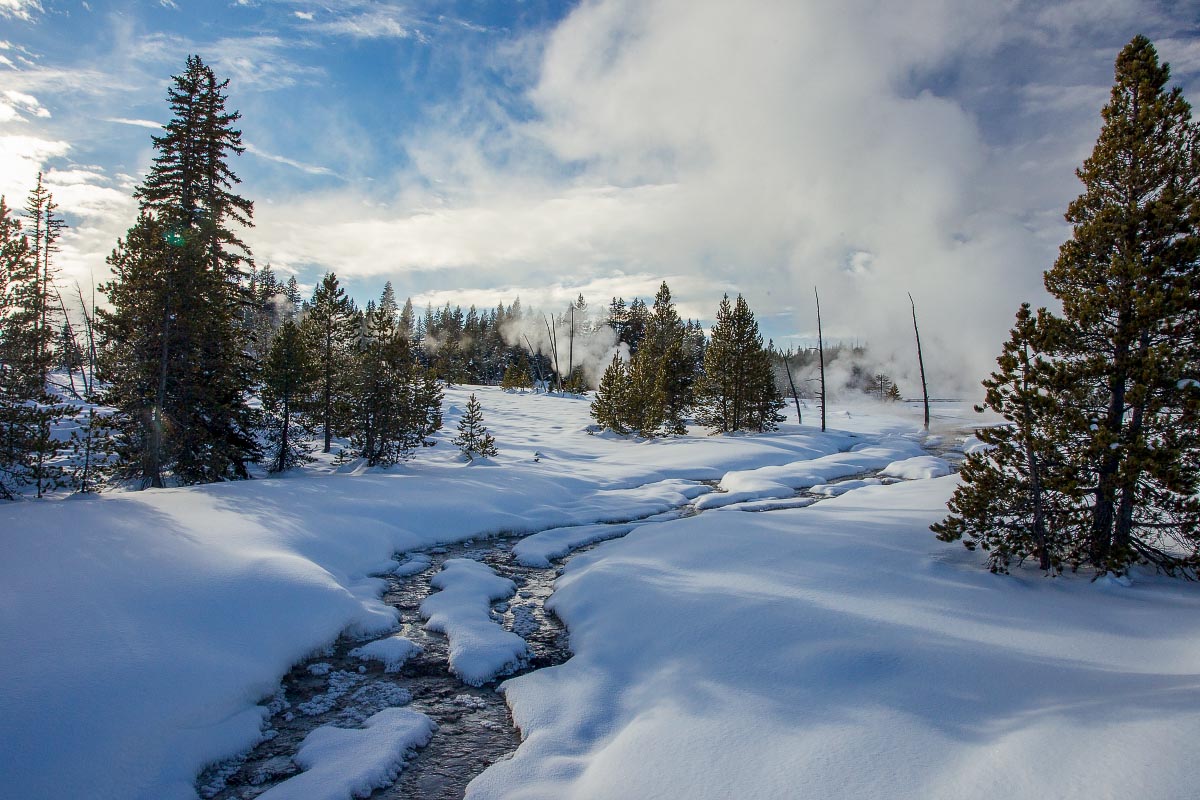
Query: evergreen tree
(38, 294)
(737, 390)
(662, 373)
(608, 406)
(1104, 446)
(1015, 498)
(175, 349)
(289, 375)
(330, 328)
(396, 404)
(473, 437)
(1129, 283)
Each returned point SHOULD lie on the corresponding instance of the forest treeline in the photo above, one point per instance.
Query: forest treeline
(197, 362)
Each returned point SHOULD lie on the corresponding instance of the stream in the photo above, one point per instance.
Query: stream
(474, 729)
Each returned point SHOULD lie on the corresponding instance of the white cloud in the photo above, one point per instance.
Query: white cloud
(304, 15)
(138, 123)
(21, 158)
(20, 104)
(20, 9)
(311, 169)
(377, 23)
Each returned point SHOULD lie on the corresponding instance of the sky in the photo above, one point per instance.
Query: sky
(476, 151)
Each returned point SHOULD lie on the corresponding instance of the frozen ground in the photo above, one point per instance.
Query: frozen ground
(835, 651)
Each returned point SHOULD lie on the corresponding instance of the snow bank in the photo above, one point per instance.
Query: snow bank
(917, 468)
(393, 651)
(539, 549)
(191, 604)
(840, 651)
(343, 763)
(479, 648)
(782, 481)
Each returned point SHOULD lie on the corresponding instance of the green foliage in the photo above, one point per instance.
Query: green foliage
(395, 404)
(608, 406)
(516, 375)
(473, 438)
(330, 330)
(174, 340)
(1019, 499)
(290, 375)
(1111, 415)
(737, 388)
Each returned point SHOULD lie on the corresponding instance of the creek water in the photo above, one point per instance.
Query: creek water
(474, 729)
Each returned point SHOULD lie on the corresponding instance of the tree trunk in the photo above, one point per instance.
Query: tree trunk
(920, 359)
(821, 352)
(795, 394)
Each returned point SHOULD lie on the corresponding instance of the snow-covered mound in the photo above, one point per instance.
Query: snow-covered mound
(344, 763)
(479, 648)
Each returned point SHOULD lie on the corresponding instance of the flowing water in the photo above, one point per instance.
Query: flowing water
(474, 725)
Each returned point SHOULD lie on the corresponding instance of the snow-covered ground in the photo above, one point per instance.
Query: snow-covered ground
(836, 650)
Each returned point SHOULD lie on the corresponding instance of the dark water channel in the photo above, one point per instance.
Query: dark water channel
(475, 728)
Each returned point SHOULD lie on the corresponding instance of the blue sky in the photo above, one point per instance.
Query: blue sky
(482, 149)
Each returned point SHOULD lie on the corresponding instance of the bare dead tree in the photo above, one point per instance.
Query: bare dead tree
(920, 359)
(795, 394)
(821, 354)
(89, 376)
(70, 331)
(533, 358)
(553, 350)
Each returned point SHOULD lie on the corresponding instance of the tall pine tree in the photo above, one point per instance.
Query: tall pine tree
(330, 327)
(1129, 283)
(1105, 436)
(175, 348)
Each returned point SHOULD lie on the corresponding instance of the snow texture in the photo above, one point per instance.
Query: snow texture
(479, 648)
(917, 468)
(343, 763)
(841, 649)
(836, 650)
(393, 651)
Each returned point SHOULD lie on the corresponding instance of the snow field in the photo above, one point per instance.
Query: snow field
(191, 604)
(839, 651)
(782, 481)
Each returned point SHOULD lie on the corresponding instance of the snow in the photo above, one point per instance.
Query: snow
(782, 481)
(836, 647)
(917, 468)
(342, 763)
(840, 648)
(393, 651)
(479, 648)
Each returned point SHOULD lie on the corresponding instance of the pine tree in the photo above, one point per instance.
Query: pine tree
(473, 438)
(1129, 283)
(737, 390)
(1101, 463)
(1015, 499)
(330, 328)
(289, 375)
(662, 373)
(609, 405)
(46, 228)
(175, 346)
(395, 403)
(29, 412)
